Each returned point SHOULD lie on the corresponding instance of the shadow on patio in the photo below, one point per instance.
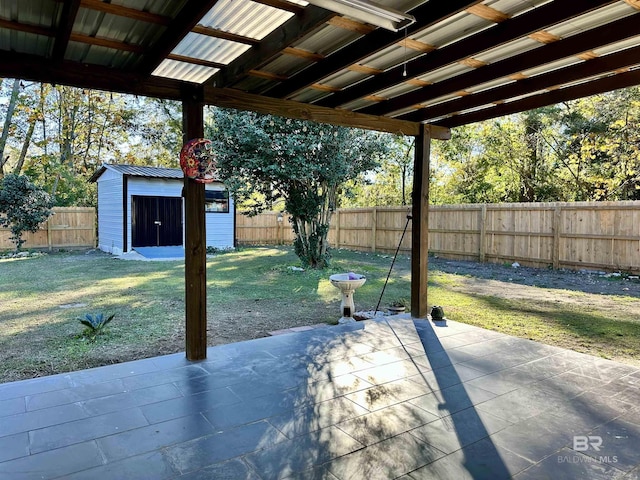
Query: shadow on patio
(376, 399)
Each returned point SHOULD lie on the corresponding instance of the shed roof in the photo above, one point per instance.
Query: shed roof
(460, 62)
(138, 171)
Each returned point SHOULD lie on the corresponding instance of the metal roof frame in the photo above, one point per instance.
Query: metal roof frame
(495, 56)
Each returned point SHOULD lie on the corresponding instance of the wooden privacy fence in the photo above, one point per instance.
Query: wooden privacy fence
(68, 227)
(591, 235)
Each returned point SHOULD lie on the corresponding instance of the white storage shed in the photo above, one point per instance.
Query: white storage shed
(143, 207)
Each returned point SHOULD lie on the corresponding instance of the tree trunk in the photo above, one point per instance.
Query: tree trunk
(7, 123)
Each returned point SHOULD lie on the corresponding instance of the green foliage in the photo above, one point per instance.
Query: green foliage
(23, 206)
(95, 323)
(265, 160)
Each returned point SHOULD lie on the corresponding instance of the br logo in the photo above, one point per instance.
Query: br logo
(582, 443)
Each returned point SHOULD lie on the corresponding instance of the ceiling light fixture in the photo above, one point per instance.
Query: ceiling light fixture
(368, 12)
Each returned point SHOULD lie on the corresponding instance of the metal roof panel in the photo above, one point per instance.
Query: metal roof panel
(184, 71)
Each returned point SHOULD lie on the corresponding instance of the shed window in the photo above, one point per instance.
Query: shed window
(216, 201)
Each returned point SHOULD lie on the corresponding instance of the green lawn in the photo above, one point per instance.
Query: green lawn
(250, 292)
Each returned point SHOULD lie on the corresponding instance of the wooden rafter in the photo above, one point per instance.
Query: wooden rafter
(182, 24)
(488, 13)
(107, 43)
(127, 12)
(300, 53)
(607, 34)
(23, 27)
(520, 26)
(426, 16)
(65, 27)
(283, 5)
(594, 87)
(589, 68)
(195, 61)
(351, 25)
(214, 32)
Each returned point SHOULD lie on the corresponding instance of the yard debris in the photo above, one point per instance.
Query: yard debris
(515, 265)
(296, 269)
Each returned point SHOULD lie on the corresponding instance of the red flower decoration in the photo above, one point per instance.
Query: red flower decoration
(198, 161)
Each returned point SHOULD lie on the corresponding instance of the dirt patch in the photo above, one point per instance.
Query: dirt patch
(589, 289)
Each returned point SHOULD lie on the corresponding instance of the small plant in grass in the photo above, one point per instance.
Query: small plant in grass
(94, 323)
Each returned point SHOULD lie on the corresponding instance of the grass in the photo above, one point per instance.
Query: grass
(250, 292)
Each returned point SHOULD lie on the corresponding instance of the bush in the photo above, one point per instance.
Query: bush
(23, 206)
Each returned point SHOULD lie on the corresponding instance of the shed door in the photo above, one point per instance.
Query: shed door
(156, 221)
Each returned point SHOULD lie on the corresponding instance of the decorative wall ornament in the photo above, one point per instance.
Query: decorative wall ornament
(198, 160)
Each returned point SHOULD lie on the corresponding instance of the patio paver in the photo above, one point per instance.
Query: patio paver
(380, 399)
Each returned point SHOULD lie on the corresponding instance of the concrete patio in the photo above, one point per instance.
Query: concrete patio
(381, 399)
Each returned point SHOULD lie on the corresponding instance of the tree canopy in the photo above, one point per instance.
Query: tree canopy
(266, 159)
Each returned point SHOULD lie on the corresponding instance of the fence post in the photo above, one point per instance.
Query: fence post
(49, 240)
(555, 254)
(374, 220)
(483, 232)
(338, 228)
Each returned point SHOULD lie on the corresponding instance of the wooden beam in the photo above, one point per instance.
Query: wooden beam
(23, 27)
(194, 61)
(561, 76)
(607, 34)
(232, 37)
(606, 84)
(282, 5)
(181, 25)
(65, 27)
(195, 251)
(127, 12)
(96, 77)
(270, 46)
(230, 98)
(420, 225)
(520, 26)
(106, 42)
(426, 16)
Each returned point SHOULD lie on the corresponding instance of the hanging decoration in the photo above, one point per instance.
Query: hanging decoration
(198, 161)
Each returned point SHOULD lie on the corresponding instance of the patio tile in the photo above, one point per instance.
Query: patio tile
(230, 470)
(521, 404)
(14, 446)
(620, 440)
(153, 437)
(539, 436)
(302, 453)
(479, 461)
(498, 382)
(164, 376)
(390, 458)
(205, 451)
(219, 378)
(568, 464)
(33, 387)
(388, 372)
(12, 406)
(387, 394)
(570, 384)
(23, 422)
(460, 429)
(134, 398)
(79, 431)
(233, 415)
(149, 466)
(314, 392)
(386, 423)
(53, 463)
(314, 417)
(73, 394)
(452, 399)
(318, 473)
(113, 372)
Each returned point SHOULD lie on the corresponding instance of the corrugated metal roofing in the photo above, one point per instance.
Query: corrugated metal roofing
(124, 34)
(139, 171)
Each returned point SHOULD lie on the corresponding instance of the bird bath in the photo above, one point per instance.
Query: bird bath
(347, 283)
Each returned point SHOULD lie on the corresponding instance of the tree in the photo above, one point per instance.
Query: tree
(23, 206)
(264, 159)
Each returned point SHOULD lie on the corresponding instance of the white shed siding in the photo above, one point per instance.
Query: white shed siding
(151, 187)
(220, 231)
(110, 220)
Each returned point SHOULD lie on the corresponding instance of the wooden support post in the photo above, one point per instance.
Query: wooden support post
(195, 266)
(483, 232)
(420, 226)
